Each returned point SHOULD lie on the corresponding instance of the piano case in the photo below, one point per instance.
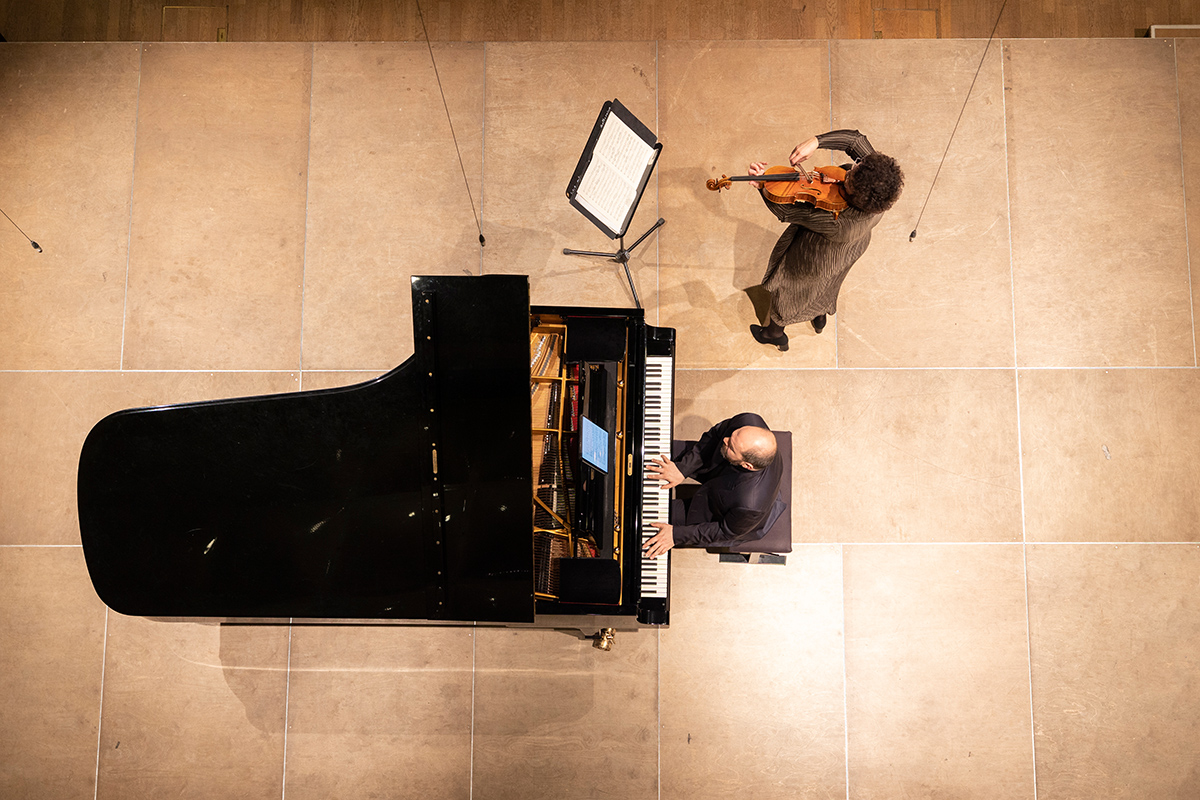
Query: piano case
(406, 497)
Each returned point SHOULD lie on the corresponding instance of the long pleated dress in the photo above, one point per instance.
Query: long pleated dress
(812, 257)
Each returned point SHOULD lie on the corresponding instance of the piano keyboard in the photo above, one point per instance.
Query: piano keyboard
(656, 441)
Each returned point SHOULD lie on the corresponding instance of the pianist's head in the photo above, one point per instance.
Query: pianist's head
(750, 448)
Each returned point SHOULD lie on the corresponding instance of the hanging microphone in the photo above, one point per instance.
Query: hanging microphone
(450, 122)
(971, 88)
(36, 246)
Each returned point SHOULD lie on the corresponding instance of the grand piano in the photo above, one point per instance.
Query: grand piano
(459, 487)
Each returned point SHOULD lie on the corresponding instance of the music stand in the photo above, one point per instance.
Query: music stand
(610, 177)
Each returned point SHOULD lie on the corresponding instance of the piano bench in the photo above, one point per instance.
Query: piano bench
(749, 558)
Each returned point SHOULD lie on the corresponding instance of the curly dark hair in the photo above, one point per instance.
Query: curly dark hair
(875, 183)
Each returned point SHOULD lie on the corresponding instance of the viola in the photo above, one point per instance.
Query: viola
(787, 185)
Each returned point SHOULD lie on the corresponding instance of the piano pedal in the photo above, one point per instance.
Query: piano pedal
(604, 638)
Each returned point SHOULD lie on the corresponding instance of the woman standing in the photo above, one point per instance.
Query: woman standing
(812, 257)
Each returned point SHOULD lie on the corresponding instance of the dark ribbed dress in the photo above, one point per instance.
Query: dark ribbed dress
(812, 257)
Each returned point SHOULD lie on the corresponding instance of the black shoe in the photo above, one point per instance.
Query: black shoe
(819, 323)
(759, 334)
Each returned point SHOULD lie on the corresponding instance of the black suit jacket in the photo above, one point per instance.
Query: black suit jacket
(732, 504)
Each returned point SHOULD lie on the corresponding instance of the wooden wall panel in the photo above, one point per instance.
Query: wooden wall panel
(598, 20)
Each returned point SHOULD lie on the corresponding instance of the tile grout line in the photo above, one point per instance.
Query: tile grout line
(658, 321)
(1187, 248)
(471, 754)
(100, 719)
(287, 699)
(658, 704)
(1027, 368)
(482, 151)
(137, 107)
(1029, 666)
(1012, 286)
(829, 75)
(658, 244)
(312, 61)
(382, 370)
(845, 680)
(930, 543)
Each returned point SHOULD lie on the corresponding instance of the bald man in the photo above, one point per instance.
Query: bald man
(738, 499)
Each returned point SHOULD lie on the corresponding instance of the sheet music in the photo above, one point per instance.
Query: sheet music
(610, 185)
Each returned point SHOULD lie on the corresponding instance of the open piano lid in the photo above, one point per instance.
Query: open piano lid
(406, 497)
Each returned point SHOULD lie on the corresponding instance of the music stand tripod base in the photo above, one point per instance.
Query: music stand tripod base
(621, 256)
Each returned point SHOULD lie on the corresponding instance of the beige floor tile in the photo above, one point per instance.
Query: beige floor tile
(49, 414)
(1096, 284)
(51, 661)
(542, 101)
(752, 694)
(379, 712)
(945, 298)
(216, 259)
(880, 455)
(1113, 636)
(714, 247)
(1187, 55)
(386, 197)
(1111, 455)
(555, 717)
(66, 151)
(937, 672)
(192, 710)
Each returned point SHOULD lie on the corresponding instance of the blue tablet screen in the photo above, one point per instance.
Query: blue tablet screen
(593, 446)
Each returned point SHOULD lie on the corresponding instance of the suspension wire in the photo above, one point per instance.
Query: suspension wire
(36, 246)
(913, 235)
(446, 105)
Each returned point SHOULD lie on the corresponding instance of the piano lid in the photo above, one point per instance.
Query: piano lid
(405, 497)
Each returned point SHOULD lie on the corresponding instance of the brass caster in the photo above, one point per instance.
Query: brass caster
(603, 640)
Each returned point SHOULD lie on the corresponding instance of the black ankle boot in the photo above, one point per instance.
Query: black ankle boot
(761, 336)
(819, 323)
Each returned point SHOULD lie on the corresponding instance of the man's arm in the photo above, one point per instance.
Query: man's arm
(704, 534)
(737, 523)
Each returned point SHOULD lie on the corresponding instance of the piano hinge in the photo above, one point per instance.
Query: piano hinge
(426, 351)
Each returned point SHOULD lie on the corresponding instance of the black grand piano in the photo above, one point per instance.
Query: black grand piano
(460, 486)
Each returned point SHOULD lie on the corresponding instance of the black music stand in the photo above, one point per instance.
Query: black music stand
(610, 177)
